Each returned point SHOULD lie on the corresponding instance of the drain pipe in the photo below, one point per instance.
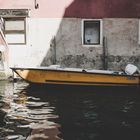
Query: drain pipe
(105, 54)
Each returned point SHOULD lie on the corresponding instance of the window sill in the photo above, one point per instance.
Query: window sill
(96, 46)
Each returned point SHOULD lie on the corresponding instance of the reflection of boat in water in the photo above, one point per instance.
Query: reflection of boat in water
(76, 76)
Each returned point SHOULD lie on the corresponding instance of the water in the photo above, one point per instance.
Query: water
(68, 114)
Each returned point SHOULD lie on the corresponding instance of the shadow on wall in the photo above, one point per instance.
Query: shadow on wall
(59, 42)
(65, 46)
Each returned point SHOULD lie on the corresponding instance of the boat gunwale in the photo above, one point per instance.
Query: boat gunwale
(84, 72)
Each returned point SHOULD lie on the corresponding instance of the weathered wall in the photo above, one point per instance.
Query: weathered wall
(51, 19)
(122, 44)
(69, 49)
(50, 38)
(40, 32)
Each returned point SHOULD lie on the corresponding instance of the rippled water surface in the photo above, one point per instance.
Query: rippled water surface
(32, 113)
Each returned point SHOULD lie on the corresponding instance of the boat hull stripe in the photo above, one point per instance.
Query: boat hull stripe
(89, 83)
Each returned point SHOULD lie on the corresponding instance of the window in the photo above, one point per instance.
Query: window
(15, 30)
(91, 32)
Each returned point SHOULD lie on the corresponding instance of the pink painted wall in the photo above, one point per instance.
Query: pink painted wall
(47, 8)
(78, 8)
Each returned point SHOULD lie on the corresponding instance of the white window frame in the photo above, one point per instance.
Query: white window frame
(24, 32)
(101, 33)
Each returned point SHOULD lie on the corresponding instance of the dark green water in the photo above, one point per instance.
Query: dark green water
(68, 114)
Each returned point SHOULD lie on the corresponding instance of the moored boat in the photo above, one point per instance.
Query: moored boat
(76, 76)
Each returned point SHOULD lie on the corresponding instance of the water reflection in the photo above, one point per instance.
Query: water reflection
(55, 114)
(26, 117)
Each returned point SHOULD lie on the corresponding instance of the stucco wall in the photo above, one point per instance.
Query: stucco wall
(69, 49)
(122, 45)
(40, 32)
(60, 39)
(122, 42)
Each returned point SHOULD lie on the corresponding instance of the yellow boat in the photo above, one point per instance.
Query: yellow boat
(76, 76)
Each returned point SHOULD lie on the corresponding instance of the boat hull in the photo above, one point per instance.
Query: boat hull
(61, 77)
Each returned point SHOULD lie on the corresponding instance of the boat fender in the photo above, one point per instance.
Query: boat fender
(131, 69)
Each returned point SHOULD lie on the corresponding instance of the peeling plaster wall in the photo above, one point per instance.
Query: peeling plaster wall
(122, 45)
(122, 42)
(56, 41)
(69, 49)
(50, 40)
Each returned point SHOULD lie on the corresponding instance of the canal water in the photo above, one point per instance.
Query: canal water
(50, 113)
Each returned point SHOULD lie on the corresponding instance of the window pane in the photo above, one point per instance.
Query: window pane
(91, 32)
(15, 38)
(14, 25)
